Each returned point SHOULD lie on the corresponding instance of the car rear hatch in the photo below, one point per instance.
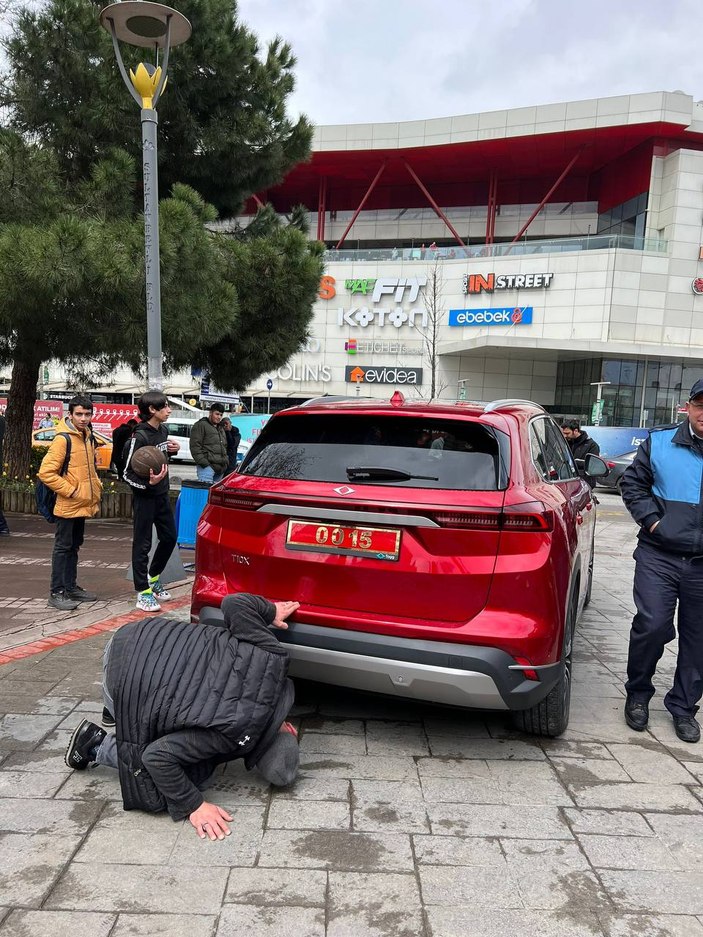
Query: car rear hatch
(364, 519)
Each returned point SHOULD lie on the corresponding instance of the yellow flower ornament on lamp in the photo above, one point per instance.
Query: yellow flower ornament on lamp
(146, 80)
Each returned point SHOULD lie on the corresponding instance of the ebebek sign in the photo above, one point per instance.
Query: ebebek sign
(510, 315)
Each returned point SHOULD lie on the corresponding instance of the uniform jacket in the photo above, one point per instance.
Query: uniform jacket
(145, 435)
(208, 445)
(664, 484)
(190, 697)
(78, 492)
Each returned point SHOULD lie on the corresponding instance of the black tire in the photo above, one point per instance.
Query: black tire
(550, 718)
(618, 485)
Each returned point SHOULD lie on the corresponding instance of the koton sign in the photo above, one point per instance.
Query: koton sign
(510, 315)
(477, 282)
(382, 375)
(402, 292)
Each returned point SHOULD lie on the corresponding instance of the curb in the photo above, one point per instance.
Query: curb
(77, 634)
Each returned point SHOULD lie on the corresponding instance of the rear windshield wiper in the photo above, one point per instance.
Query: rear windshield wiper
(363, 472)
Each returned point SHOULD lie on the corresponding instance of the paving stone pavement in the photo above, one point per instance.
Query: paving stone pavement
(407, 820)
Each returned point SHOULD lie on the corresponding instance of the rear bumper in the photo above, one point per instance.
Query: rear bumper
(470, 676)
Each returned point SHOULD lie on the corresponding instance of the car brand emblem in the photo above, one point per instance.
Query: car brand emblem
(344, 490)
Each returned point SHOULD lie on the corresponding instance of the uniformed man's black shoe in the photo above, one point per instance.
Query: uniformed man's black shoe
(636, 714)
(84, 745)
(687, 728)
(108, 719)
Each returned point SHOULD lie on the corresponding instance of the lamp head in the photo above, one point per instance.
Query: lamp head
(146, 24)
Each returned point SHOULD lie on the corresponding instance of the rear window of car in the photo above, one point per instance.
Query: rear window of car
(337, 447)
(178, 429)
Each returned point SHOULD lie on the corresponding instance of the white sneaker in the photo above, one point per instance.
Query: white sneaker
(147, 603)
(159, 591)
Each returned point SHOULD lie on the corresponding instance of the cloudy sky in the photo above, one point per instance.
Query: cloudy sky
(378, 60)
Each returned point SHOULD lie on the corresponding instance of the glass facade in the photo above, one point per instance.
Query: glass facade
(626, 218)
(640, 392)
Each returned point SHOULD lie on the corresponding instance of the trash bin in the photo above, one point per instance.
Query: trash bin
(191, 504)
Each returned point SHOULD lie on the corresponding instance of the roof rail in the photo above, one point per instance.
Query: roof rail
(501, 404)
(329, 398)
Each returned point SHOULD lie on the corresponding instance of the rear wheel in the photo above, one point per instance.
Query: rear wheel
(550, 717)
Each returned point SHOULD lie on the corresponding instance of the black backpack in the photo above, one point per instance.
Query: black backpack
(45, 497)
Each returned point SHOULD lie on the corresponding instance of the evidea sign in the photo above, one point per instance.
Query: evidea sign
(381, 374)
(402, 292)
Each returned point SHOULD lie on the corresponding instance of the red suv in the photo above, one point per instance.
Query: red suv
(439, 551)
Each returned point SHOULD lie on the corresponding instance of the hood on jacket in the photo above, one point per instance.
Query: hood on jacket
(66, 426)
(251, 628)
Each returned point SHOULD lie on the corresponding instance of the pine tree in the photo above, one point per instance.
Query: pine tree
(223, 127)
(71, 231)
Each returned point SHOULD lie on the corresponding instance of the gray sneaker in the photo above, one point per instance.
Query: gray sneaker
(61, 601)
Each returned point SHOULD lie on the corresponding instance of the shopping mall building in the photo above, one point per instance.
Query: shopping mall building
(530, 253)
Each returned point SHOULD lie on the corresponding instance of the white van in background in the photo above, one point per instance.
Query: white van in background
(179, 428)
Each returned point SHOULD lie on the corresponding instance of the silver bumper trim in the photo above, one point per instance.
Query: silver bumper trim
(453, 687)
(359, 517)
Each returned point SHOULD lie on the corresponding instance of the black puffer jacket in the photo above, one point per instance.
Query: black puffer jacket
(580, 448)
(189, 697)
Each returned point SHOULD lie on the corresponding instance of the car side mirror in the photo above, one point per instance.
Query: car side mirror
(595, 467)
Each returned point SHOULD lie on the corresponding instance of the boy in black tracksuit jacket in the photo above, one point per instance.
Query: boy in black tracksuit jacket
(151, 506)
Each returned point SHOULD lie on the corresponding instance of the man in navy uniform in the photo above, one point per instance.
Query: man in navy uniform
(662, 490)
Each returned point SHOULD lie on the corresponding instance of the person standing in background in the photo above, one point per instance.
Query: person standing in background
(234, 437)
(119, 441)
(78, 495)
(208, 446)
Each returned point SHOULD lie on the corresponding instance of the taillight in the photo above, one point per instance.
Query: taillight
(611, 465)
(529, 516)
(231, 498)
(486, 519)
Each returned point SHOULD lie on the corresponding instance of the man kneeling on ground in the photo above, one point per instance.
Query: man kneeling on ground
(187, 698)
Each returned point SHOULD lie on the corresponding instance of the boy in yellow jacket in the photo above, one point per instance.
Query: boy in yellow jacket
(78, 494)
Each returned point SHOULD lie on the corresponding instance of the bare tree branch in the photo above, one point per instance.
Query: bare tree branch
(433, 299)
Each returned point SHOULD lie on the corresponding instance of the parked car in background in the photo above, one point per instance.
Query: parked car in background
(616, 468)
(103, 451)
(179, 429)
(439, 551)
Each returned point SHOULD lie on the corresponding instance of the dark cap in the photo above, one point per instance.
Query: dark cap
(697, 389)
(279, 763)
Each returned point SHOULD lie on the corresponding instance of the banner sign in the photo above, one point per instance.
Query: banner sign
(108, 416)
(41, 407)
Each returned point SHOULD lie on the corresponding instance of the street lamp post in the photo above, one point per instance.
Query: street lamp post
(154, 26)
(598, 411)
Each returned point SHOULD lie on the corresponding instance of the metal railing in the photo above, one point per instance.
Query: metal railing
(595, 242)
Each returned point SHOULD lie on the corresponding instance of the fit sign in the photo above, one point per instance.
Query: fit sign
(402, 292)
(477, 282)
(511, 315)
(355, 374)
